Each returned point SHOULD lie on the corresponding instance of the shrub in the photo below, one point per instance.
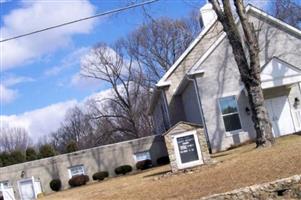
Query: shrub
(6, 159)
(144, 164)
(163, 160)
(71, 147)
(46, 151)
(99, 176)
(123, 169)
(55, 184)
(17, 157)
(31, 154)
(78, 180)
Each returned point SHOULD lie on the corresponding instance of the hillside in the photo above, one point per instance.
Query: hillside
(236, 168)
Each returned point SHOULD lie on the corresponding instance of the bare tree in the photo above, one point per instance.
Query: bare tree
(13, 139)
(249, 66)
(76, 128)
(288, 11)
(131, 67)
(125, 110)
(158, 43)
(104, 126)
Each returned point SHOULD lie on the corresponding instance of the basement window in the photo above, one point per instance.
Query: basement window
(144, 155)
(229, 110)
(5, 184)
(76, 170)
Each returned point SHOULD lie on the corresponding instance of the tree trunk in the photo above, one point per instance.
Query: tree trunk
(250, 73)
(264, 136)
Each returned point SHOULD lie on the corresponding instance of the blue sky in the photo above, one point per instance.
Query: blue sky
(40, 73)
(39, 86)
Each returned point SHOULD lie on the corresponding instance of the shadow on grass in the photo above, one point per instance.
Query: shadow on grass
(229, 154)
(157, 174)
(219, 155)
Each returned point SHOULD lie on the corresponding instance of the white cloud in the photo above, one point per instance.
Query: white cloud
(98, 96)
(7, 95)
(71, 60)
(14, 80)
(83, 82)
(89, 62)
(41, 122)
(36, 15)
(92, 66)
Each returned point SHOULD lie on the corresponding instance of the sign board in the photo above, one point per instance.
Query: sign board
(187, 148)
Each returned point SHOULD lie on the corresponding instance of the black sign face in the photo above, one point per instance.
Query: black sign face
(187, 149)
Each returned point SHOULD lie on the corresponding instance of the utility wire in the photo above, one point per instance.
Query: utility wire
(82, 19)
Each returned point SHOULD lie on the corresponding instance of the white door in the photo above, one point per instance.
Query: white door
(26, 190)
(297, 118)
(280, 116)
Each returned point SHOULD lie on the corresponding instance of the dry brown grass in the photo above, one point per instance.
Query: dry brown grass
(236, 168)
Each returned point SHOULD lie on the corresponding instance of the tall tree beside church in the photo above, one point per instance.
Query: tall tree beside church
(249, 66)
(159, 43)
(288, 11)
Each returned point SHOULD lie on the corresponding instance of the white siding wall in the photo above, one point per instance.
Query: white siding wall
(222, 78)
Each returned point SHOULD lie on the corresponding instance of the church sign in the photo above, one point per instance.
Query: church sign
(186, 145)
(187, 150)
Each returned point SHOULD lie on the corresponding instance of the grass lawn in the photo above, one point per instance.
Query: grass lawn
(236, 168)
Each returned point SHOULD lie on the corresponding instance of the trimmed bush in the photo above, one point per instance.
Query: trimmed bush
(163, 160)
(99, 176)
(78, 180)
(55, 184)
(144, 164)
(124, 169)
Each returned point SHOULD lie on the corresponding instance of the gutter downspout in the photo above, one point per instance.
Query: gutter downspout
(191, 77)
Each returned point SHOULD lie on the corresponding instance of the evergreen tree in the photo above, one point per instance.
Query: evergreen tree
(71, 147)
(46, 151)
(17, 157)
(6, 159)
(31, 154)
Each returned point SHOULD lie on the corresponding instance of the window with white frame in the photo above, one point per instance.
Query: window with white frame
(144, 155)
(5, 184)
(76, 170)
(229, 110)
